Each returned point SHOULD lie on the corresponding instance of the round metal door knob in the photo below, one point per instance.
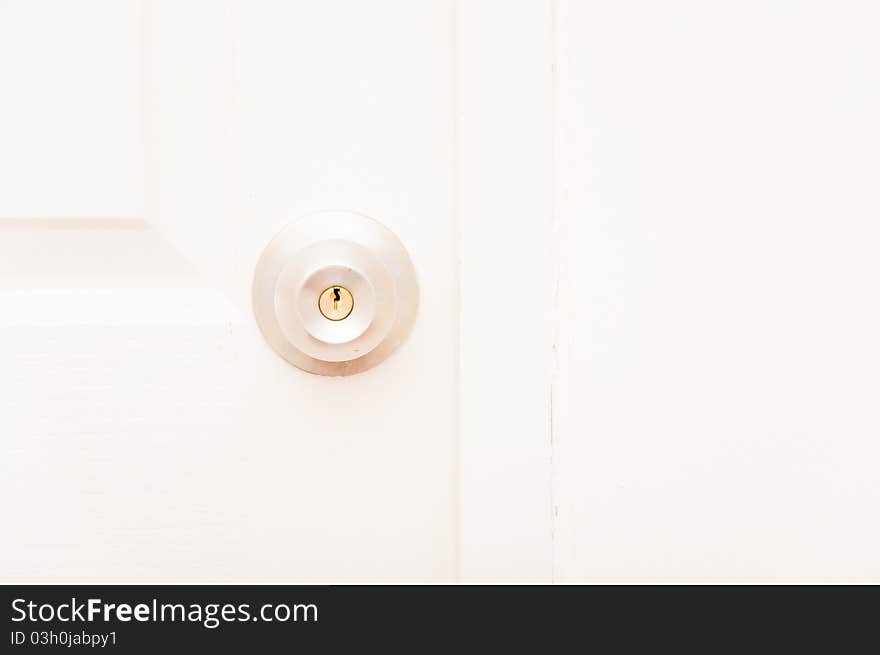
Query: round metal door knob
(335, 293)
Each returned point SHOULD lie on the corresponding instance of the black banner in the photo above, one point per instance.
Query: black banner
(150, 619)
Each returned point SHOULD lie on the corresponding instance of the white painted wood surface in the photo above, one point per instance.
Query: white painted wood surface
(147, 431)
(507, 300)
(70, 138)
(647, 242)
(719, 389)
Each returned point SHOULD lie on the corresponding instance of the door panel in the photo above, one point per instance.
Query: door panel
(148, 431)
(70, 140)
(719, 371)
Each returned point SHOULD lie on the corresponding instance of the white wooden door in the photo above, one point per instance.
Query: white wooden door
(648, 248)
(150, 150)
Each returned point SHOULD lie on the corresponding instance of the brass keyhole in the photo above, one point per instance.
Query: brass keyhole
(335, 303)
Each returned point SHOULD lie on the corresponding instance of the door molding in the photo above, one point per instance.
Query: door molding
(505, 194)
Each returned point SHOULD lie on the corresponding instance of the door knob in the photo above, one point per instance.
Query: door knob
(335, 293)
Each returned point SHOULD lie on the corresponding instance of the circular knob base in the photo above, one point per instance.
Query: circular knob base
(335, 293)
